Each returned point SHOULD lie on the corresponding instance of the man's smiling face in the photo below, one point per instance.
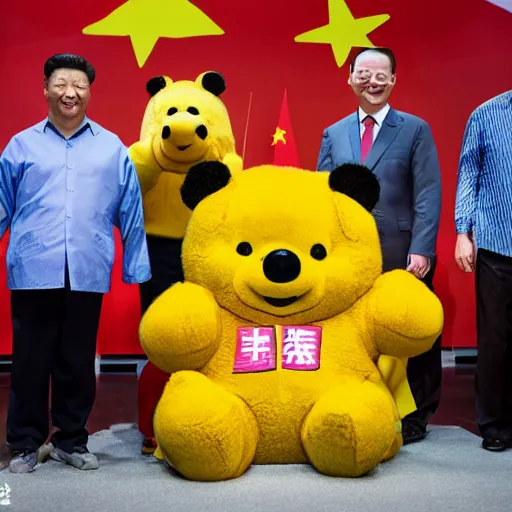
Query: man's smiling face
(68, 93)
(372, 80)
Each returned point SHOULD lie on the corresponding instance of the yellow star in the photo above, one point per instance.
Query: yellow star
(145, 21)
(279, 136)
(343, 31)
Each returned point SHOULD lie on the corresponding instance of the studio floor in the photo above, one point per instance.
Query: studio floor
(445, 472)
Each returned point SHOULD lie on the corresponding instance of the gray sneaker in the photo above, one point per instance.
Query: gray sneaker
(23, 461)
(81, 459)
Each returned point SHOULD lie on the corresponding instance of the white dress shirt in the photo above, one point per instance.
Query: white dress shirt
(379, 119)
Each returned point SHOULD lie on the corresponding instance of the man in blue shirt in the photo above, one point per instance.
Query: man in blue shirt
(483, 219)
(64, 184)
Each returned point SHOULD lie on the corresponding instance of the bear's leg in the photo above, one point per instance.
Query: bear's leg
(395, 447)
(151, 384)
(350, 429)
(205, 432)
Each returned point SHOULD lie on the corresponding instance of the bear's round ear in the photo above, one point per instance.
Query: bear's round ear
(156, 84)
(357, 182)
(213, 82)
(202, 180)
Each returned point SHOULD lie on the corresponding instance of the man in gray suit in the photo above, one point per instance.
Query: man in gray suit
(400, 150)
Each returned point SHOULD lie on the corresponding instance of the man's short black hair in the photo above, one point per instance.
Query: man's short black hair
(384, 51)
(69, 61)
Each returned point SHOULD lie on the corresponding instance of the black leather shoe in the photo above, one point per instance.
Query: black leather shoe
(412, 433)
(493, 444)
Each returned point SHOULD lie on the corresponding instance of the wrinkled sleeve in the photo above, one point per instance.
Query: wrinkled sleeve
(324, 162)
(130, 221)
(468, 176)
(426, 175)
(11, 161)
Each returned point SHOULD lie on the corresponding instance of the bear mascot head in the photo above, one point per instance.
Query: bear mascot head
(185, 122)
(274, 335)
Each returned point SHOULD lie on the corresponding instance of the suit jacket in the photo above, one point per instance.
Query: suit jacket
(404, 159)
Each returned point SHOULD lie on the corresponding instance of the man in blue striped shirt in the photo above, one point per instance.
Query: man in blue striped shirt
(483, 219)
(64, 184)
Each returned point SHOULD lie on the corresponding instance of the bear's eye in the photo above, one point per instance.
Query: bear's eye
(244, 249)
(172, 111)
(193, 111)
(319, 252)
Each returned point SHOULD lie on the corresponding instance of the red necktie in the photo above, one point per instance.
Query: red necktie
(367, 139)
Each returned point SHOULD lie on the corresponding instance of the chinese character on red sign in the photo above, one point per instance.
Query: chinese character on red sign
(255, 350)
(301, 347)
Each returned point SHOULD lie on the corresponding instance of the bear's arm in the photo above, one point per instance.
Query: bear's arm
(181, 328)
(233, 162)
(406, 316)
(148, 170)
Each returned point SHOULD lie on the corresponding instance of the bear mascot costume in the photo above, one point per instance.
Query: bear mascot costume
(185, 122)
(274, 336)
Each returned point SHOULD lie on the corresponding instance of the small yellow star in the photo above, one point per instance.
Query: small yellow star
(343, 32)
(279, 136)
(145, 21)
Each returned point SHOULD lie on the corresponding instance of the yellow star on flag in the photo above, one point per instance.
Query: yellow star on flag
(279, 136)
(343, 32)
(145, 21)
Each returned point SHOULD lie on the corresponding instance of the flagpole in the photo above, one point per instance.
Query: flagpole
(246, 129)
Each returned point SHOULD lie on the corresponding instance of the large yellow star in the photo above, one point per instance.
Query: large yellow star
(343, 32)
(145, 21)
(279, 136)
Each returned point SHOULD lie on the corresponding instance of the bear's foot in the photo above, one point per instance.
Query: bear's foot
(205, 432)
(350, 429)
(397, 443)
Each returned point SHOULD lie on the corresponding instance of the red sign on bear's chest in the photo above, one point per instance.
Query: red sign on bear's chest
(256, 348)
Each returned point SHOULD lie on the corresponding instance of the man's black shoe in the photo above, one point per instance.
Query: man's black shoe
(412, 433)
(493, 444)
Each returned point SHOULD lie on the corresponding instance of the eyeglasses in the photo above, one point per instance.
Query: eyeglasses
(363, 76)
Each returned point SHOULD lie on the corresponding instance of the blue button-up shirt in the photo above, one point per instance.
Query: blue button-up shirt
(484, 186)
(61, 199)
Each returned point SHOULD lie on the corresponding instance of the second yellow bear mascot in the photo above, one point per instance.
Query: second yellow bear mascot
(185, 122)
(276, 332)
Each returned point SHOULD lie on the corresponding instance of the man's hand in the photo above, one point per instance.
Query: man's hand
(465, 252)
(419, 265)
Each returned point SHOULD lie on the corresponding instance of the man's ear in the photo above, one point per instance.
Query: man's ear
(357, 182)
(203, 180)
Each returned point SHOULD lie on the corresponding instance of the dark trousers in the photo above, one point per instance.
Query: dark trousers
(166, 269)
(425, 374)
(494, 341)
(54, 338)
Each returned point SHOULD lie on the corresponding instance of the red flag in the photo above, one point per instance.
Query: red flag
(283, 141)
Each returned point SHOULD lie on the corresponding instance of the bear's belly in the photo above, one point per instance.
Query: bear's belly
(281, 395)
(280, 402)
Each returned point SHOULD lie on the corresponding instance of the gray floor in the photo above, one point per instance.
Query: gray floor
(446, 472)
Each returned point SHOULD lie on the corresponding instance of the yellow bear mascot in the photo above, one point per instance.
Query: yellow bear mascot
(275, 334)
(185, 122)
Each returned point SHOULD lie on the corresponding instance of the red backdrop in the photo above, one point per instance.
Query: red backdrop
(451, 57)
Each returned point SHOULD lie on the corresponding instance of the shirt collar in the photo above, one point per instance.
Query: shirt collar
(379, 116)
(41, 127)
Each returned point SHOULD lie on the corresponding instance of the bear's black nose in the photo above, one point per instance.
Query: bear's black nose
(281, 266)
(202, 131)
(166, 132)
